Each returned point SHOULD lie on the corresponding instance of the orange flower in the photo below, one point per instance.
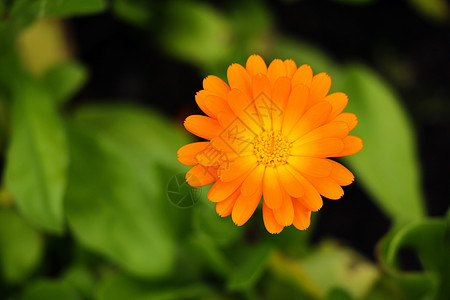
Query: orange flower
(269, 134)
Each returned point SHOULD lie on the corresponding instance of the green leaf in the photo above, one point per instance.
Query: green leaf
(338, 294)
(116, 204)
(120, 287)
(37, 157)
(248, 273)
(196, 32)
(137, 12)
(64, 80)
(388, 165)
(48, 290)
(21, 247)
(431, 240)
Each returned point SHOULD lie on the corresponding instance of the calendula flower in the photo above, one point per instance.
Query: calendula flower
(269, 134)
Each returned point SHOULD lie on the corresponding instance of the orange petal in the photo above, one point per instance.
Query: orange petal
(244, 108)
(327, 187)
(217, 105)
(317, 167)
(239, 78)
(289, 182)
(311, 199)
(245, 206)
(230, 171)
(348, 118)
(313, 118)
(225, 207)
(338, 101)
(320, 86)
(210, 156)
(186, 154)
(200, 175)
(200, 98)
(232, 146)
(215, 85)
(295, 108)
(202, 126)
(302, 216)
(270, 222)
(253, 181)
(271, 189)
(280, 95)
(285, 214)
(352, 145)
(262, 100)
(276, 69)
(291, 67)
(222, 190)
(329, 130)
(328, 147)
(341, 174)
(303, 75)
(255, 64)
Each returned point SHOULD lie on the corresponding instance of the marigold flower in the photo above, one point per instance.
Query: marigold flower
(270, 132)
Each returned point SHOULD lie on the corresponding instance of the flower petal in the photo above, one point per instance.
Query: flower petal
(245, 206)
(320, 86)
(295, 107)
(285, 214)
(217, 105)
(270, 222)
(327, 187)
(311, 199)
(352, 145)
(200, 175)
(229, 171)
(271, 189)
(291, 67)
(276, 69)
(238, 78)
(328, 147)
(225, 207)
(338, 101)
(289, 182)
(329, 130)
(314, 117)
(200, 98)
(255, 64)
(215, 85)
(302, 216)
(254, 181)
(341, 174)
(303, 75)
(280, 95)
(222, 190)
(348, 118)
(202, 126)
(312, 166)
(187, 153)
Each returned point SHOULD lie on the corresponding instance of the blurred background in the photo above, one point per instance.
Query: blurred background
(93, 95)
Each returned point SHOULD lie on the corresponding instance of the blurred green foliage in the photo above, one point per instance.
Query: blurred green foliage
(96, 174)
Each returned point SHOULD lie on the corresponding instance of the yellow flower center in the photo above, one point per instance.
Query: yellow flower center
(271, 148)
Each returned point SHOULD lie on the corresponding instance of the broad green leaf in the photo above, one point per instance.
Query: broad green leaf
(21, 247)
(196, 32)
(64, 80)
(37, 157)
(431, 240)
(388, 165)
(116, 202)
(328, 267)
(81, 278)
(137, 12)
(207, 222)
(46, 289)
(119, 287)
(338, 294)
(248, 273)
